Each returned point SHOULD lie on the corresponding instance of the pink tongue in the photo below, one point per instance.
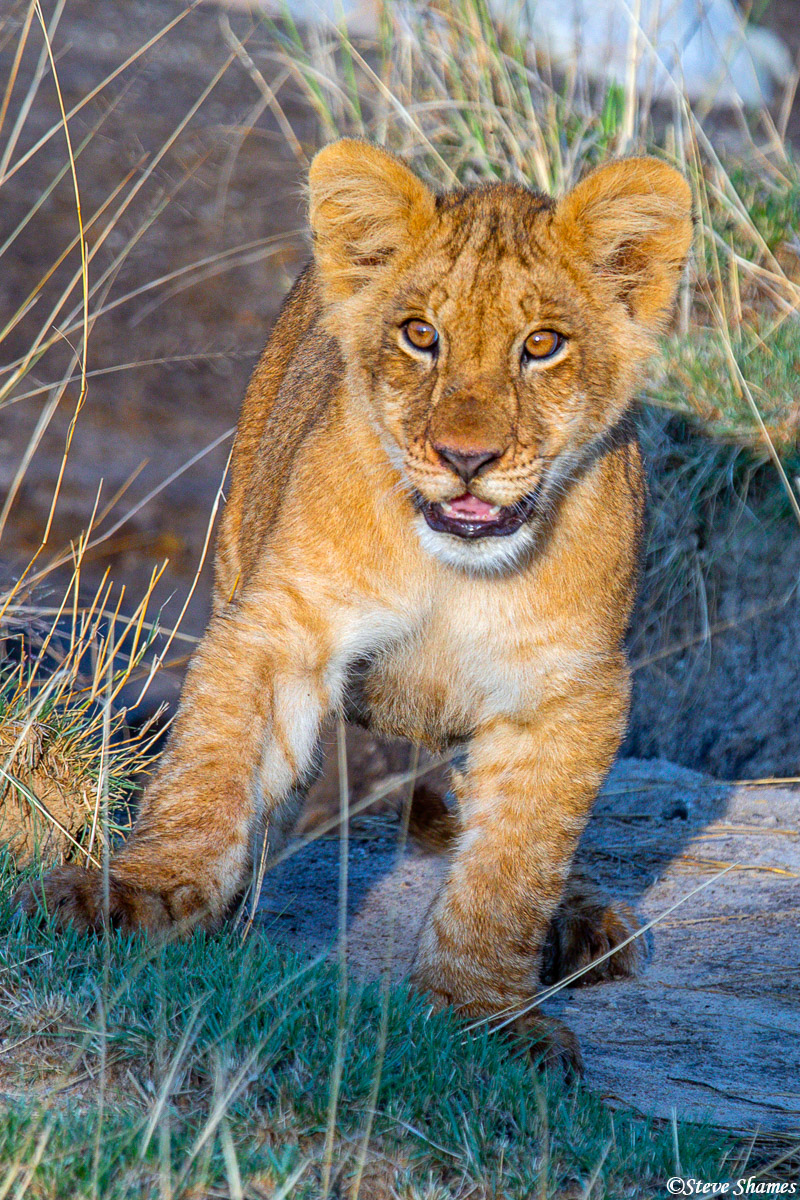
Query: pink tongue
(473, 508)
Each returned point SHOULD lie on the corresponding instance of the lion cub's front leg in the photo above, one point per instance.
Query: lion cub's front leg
(524, 796)
(244, 736)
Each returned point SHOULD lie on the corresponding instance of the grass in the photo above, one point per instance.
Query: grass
(203, 1068)
(226, 1066)
(695, 382)
(68, 759)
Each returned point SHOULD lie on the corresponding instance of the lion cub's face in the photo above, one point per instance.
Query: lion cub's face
(496, 335)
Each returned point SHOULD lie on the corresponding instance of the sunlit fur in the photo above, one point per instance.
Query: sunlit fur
(333, 594)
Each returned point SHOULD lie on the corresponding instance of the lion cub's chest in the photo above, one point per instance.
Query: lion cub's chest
(470, 659)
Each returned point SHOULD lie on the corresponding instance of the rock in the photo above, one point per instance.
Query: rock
(710, 1028)
(700, 46)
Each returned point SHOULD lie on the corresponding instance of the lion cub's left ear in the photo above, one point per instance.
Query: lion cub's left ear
(633, 220)
(366, 206)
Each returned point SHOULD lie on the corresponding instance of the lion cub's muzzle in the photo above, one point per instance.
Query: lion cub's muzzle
(468, 515)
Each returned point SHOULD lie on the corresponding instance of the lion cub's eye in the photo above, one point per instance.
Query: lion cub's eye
(420, 334)
(541, 344)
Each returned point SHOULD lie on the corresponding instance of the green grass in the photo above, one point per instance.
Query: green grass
(695, 378)
(219, 1055)
(773, 206)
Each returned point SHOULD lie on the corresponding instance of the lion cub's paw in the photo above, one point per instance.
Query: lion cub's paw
(552, 1044)
(73, 895)
(588, 924)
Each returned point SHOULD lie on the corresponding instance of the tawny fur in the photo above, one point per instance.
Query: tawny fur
(585, 926)
(333, 594)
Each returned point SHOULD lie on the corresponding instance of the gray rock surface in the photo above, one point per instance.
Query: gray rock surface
(711, 1028)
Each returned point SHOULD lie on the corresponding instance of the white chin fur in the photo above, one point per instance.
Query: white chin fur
(478, 556)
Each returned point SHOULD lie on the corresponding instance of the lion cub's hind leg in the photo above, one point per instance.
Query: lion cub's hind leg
(586, 925)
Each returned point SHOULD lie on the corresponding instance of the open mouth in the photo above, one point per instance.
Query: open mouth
(468, 517)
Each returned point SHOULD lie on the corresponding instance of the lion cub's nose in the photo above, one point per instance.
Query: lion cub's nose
(466, 464)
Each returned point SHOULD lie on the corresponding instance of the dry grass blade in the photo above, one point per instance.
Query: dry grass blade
(33, 87)
(22, 41)
(393, 784)
(595, 1175)
(23, 1170)
(159, 659)
(510, 1015)
(18, 368)
(193, 1026)
(383, 1029)
(84, 269)
(104, 83)
(163, 360)
(341, 1022)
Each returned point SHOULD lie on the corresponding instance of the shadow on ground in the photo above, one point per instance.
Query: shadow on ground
(710, 1027)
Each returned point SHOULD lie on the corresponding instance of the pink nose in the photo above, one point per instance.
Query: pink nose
(466, 465)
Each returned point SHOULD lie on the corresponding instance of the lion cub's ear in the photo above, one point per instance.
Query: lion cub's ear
(633, 220)
(365, 206)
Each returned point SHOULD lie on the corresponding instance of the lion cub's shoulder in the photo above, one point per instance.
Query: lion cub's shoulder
(288, 396)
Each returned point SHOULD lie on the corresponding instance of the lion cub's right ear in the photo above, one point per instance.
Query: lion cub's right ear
(365, 207)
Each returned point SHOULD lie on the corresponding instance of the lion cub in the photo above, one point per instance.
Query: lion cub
(433, 526)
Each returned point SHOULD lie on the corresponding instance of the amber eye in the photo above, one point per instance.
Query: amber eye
(420, 334)
(542, 343)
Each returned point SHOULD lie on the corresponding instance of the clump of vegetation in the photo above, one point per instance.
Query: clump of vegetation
(700, 377)
(67, 759)
(48, 796)
(208, 1067)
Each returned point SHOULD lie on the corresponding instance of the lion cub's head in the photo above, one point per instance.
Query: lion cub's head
(495, 335)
